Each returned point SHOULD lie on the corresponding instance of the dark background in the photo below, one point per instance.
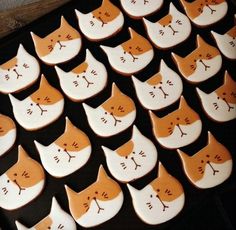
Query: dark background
(204, 209)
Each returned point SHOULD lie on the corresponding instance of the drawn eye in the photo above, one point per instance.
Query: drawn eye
(16, 65)
(51, 40)
(8, 70)
(15, 174)
(105, 112)
(133, 152)
(161, 82)
(59, 35)
(158, 190)
(99, 12)
(65, 144)
(126, 157)
(59, 150)
(164, 26)
(112, 107)
(38, 98)
(88, 197)
(177, 118)
(171, 123)
(169, 22)
(200, 55)
(31, 104)
(8, 181)
(195, 60)
(218, 98)
(207, 156)
(202, 161)
(96, 192)
(224, 93)
(130, 47)
(154, 87)
(151, 195)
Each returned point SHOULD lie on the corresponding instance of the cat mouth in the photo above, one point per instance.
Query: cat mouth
(17, 74)
(41, 109)
(61, 45)
(164, 206)
(181, 131)
(115, 119)
(134, 58)
(88, 82)
(136, 164)
(99, 207)
(229, 107)
(164, 93)
(214, 170)
(70, 156)
(212, 10)
(20, 188)
(101, 20)
(205, 66)
(174, 31)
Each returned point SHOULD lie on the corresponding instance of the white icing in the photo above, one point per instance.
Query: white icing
(174, 33)
(207, 17)
(111, 208)
(94, 28)
(7, 141)
(155, 98)
(35, 120)
(130, 171)
(155, 215)
(216, 108)
(11, 199)
(140, 8)
(175, 140)
(210, 180)
(78, 88)
(226, 44)
(19, 77)
(124, 62)
(107, 129)
(60, 219)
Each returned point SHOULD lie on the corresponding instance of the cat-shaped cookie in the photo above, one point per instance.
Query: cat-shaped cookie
(205, 12)
(226, 42)
(7, 133)
(160, 200)
(140, 8)
(178, 128)
(97, 203)
(131, 56)
(18, 73)
(39, 109)
(220, 105)
(202, 63)
(102, 22)
(56, 219)
(59, 46)
(22, 182)
(170, 30)
(113, 116)
(132, 160)
(160, 90)
(210, 166)
(85, 80)
(67, 153)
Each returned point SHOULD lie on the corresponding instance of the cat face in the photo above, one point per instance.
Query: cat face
(205, 12)
(67, 153)
(40, 108)
(19, 72)
(102, 22)
(56, 219)
(7, 133)
(59, 46)
(97, 203)
(112, 116)
(220, 105)
(227, 42)
(169, 31)
(140, 8)
(84, 81)
(130, 56)
(159, 201)
(177, 129)
(133, 159)
(204, 62)
(210, 166)
(157, 92)
(22, 182)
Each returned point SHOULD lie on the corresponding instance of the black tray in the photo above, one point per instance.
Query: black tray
(204, 209)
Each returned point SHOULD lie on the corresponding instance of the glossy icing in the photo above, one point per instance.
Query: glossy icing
(170, 30)
(19, 72)
(160, 90)
(131, 56)
(85, 80)
(96, 204)
(133, 159)
(39, 109)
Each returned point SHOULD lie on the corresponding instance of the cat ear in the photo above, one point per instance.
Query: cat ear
(161, 170)
(64, 23)
(163, 66)
(79, 14)
(211, 138)
(154, 117)
(20, 226)
(55, 207)
(177, 58)
(217, 36)
(228, 79)
(136, 132)
(41, 148)
(14, 101)
(36, 39)
(102, 175)
(88, 109)
(115, 90)
(107, 49)
(172, 9)
(71, 194)
(149, 24)
(60, 73)
(201, 94)
(89, 56)
(21, 51)
(200, 41)
(136, 82)
(185, 3)
(43, 81)
(183, 156)
(183, 103)
(133, 191)
(108, 152)
(133, 33)
(105, 2)
(22, 155)
(68, 125)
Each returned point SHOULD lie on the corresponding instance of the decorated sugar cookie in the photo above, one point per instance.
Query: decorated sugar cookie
(210, 166)
(7, 133)
(226, 42)
(97, 203)
(113, 116)
(19, 72)
(67, 153)
(220, 105)
(102, 22)
(131, 56)
(140, 8)
(59, 46)
(205, 12)
(39, 109)
(160, 90)
(160, 200)
(170, 30)
(132, 160)
(85, 80)
(178, 128)
(202, 63)
(21, 183)
(56, 219)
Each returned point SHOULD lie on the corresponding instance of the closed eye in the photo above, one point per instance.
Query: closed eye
(215, 105)
(123, 165)
(94, 72)
(161, 32)
(139, 49)
(178, 22)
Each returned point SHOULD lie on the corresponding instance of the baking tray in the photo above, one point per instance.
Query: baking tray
(203, 209)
